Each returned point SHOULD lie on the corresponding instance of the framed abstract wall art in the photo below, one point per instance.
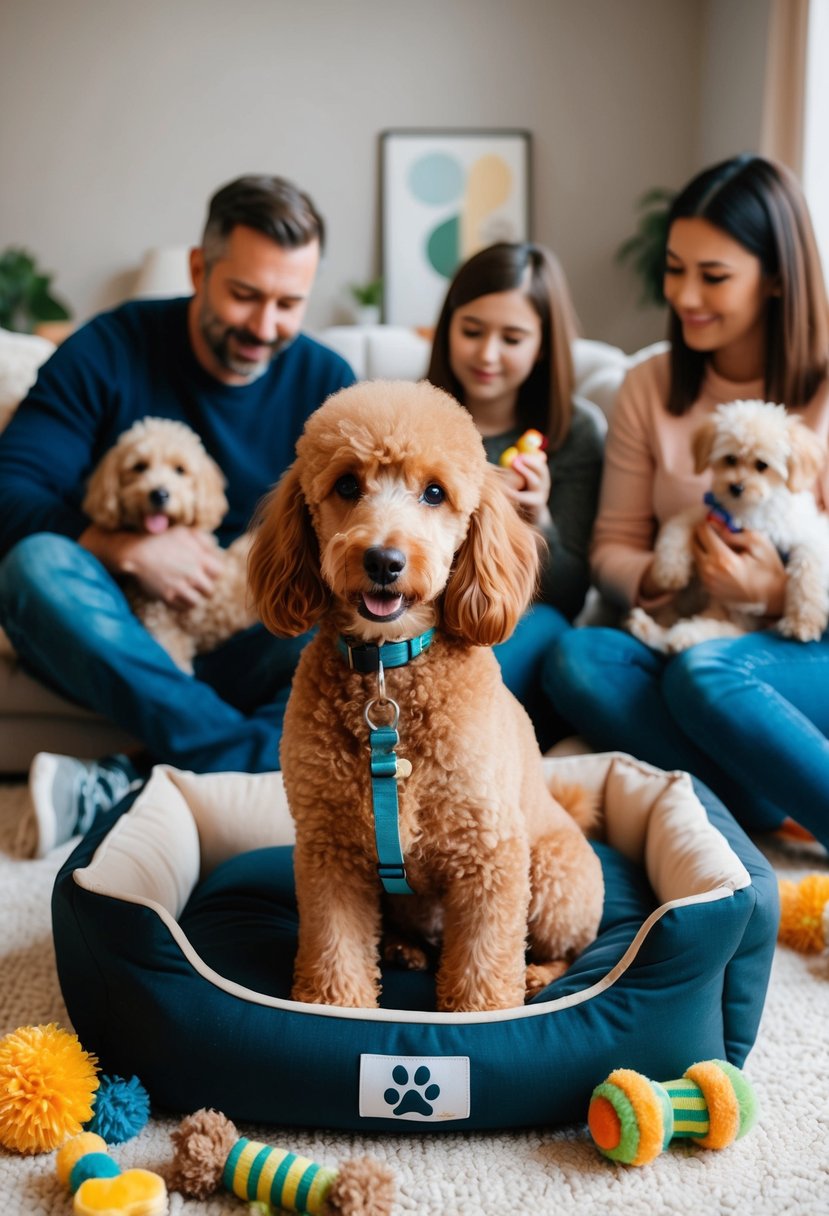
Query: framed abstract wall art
(446, 194)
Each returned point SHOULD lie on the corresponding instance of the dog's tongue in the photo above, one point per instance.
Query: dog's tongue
(382, 605)
(156, 523)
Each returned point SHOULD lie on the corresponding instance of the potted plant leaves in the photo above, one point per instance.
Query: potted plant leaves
(26, 299)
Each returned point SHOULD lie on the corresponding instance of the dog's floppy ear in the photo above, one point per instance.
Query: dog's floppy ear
(211, 503)
(284, 564)
(495, 571)
(702, 444)
(102, 501)
(808, 455)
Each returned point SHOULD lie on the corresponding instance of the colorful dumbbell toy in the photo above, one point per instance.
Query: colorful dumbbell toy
(633, 1119)
(531, 441)
(99, 1187)
(209, 1153)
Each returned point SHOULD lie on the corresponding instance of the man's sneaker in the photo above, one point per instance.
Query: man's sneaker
(68, 794)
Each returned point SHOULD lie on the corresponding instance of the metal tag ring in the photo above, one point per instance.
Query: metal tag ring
(387, 701)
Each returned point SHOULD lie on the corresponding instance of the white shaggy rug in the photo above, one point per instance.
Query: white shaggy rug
(781, 1167)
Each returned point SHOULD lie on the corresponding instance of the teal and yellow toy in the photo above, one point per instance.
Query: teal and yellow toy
(209, 1153)
(633, 1119)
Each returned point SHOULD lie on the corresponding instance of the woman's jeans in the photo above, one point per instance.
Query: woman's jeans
(749, 716)
(522, 657)
(72, 627)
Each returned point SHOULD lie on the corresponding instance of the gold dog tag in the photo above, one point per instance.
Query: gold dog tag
(404, 767)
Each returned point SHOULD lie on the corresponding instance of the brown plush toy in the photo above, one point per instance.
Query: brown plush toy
(209, 1153)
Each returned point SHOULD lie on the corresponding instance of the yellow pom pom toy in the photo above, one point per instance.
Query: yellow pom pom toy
(47, 1082)
(804, 913)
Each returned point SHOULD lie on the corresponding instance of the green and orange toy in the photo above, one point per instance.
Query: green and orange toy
(633, 1119)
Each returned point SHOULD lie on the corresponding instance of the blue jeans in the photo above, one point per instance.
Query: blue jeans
(760, 704)
(521, 658)
(72, 627)
(622, 696)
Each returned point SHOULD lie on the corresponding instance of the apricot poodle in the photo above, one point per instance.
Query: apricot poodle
(389, 524)
(763, 464)
(156, 476)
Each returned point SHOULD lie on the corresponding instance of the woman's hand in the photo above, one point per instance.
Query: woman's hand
(532, 496)
(740, 567)
(179, 566)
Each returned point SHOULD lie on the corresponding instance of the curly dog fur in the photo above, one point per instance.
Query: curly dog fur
(494, 859)
(156, 476)
(763, 462)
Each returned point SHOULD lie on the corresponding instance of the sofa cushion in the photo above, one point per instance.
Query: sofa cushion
(20, 357)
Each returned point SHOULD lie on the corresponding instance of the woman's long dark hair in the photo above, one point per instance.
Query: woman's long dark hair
(760, 205)
(545, 397)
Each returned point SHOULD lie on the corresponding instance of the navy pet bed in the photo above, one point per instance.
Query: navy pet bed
(175, 933)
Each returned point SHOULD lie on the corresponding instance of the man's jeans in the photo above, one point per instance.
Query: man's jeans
(72, 628)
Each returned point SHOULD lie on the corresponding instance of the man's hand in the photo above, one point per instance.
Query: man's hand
(532, 497)
(740, 567)
(179, 566)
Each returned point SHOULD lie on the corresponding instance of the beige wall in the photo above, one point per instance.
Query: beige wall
(120, 118)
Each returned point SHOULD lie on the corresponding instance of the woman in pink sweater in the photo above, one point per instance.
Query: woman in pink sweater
(749, 318)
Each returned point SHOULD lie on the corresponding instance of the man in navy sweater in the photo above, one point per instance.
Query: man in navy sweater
(229, 361)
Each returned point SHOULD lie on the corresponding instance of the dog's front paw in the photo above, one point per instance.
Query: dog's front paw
(802, 626)
(645, 628)
(672, 570)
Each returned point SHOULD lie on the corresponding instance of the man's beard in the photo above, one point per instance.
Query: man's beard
(220, 337)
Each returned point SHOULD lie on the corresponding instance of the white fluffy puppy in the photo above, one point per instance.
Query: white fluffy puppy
(763, 462)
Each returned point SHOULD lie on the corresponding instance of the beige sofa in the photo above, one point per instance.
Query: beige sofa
(32, 718)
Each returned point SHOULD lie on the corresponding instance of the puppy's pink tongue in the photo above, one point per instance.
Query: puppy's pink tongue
(382, 605)
(156, 523)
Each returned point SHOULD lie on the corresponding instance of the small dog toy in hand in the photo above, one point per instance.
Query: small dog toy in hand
(633, 1119)
(209, 1152)
(804, 913)
(716, 511)
(531, 441)
(100, 1189)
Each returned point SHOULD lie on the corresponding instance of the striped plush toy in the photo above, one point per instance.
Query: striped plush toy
(209, 1153)
(632, 1119)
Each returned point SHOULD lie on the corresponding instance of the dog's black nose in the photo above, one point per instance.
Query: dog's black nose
(735, 489)
(383, 566)
(159, 497)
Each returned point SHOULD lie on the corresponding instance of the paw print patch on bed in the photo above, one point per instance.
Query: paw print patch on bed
(422, 1088)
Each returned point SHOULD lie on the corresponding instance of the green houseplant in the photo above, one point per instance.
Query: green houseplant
(25, 296)
(645, 250)
(368, 298)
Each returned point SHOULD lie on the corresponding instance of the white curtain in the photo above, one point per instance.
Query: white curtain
(781, 135)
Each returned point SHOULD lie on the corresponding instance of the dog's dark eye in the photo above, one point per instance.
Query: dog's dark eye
(180, 469)
(730, 460)
(140, 466)
(760, 466)
(433, 495)
(347, 487)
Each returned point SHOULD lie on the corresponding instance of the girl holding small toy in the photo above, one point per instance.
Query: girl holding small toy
(749, 319)
(503, 348)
